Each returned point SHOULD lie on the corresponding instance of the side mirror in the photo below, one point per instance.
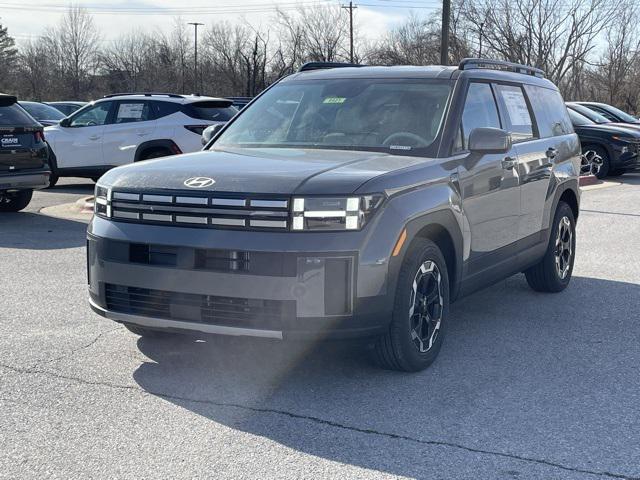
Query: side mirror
(210, 132)
(65, 122)
(489, 140)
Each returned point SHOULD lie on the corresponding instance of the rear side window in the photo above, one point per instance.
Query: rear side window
(13, 115)
(131, 112)
(516, 110)
(163, 109)
(480, 110)
(551, 113)
(214, 111)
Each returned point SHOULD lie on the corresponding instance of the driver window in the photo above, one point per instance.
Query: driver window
(93, 116)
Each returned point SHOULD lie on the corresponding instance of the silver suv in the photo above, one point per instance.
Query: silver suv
(346, 202)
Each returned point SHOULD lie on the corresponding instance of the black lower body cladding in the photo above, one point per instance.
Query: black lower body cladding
(237, 291)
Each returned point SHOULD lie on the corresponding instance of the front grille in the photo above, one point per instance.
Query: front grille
(201, 210)
(207, 309)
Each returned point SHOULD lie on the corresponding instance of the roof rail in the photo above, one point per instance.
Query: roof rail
(325, 65)
(484, 63)
(146, 94)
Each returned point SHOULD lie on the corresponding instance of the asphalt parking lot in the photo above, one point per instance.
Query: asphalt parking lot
(527, 386)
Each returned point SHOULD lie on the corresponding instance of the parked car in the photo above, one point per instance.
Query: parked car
(612, 113)
(382, 196)
(67, 107)
(126, 128)
(616, 144)
(23, 156)
(45, 114)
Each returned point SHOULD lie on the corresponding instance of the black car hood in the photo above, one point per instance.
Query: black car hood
(611, 128)
(266, 170)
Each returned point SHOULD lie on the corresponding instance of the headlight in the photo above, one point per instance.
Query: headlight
(102, 201)
(334, 213)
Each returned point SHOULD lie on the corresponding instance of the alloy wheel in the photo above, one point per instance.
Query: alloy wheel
(564, 247)
(427, 306)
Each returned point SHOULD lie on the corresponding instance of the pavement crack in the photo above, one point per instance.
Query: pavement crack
(318, 420)
(73, 351)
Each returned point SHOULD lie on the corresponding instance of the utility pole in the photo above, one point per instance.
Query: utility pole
(444, 40)
(481, 35)
(195, 57)
(350, 7)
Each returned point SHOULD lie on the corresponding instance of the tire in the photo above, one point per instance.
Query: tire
(413, 341)
(53, 165)
(606, 161)
(53, 179)
(14, 202)
(553, 272)
(147, 332)
(154, 153)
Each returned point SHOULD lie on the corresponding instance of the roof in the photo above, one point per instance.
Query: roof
(416, 72)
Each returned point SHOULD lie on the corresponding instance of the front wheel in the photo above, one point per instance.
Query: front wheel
(553, 272)
(421, 308)
(15, 201)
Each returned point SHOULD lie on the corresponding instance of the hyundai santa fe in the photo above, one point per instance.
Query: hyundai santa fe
(346, 202)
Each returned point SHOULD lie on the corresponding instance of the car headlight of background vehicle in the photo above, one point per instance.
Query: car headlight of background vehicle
(101, 205)
(334, 213)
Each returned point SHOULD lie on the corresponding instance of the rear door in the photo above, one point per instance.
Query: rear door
(546, 141)
(79, 145)
(489, 185)
(133, 123)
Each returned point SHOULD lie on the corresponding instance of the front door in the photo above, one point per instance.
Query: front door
(79, 145)
(489, 186)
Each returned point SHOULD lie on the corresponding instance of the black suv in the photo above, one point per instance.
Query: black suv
(356, 201)
(23, 156)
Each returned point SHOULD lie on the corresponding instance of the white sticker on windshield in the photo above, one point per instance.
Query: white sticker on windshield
(399, 147)
(130, 110)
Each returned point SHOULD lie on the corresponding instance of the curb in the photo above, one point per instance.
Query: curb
(588, 180)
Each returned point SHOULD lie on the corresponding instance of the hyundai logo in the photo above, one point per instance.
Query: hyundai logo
(199, 182)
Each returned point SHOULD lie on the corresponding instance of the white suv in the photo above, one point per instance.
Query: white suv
(126, 128)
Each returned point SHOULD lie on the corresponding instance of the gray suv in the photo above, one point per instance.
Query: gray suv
(346, 202)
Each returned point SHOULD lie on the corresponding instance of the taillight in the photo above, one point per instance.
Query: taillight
(38, 136)
(197, 129)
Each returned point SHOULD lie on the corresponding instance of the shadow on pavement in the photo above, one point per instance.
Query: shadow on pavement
(40, 232)
(75, 188)
(521, 373)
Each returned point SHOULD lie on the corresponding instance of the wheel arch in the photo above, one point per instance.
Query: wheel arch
(167, 144)
(441, 228)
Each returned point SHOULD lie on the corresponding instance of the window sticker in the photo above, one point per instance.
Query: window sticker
(334, 100)
(130, 110)
(517, 107)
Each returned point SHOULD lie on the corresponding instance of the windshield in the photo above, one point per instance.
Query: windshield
(578, 119)
(590, 114)
(396, 116)
(40, 111)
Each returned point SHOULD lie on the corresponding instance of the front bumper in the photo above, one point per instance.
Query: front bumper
(25, 180)
(265, 284)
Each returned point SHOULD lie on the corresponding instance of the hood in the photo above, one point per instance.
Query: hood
(611, 128)
(266, 170)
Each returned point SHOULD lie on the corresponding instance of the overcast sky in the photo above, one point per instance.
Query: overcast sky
(28, 19)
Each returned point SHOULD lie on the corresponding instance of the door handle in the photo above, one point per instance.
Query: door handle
(94, 137)
(508, 163)
(551, 153)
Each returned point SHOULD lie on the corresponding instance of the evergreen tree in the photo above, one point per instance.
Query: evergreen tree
(8, 56)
